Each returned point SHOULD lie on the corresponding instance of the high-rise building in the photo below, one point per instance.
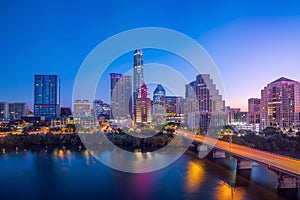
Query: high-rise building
(158, 105)
(253, 116)
(159, 100)
(138, 74)
(280, 104)
(121, 92)
(101, 109)
(82, 108)
(211, 106)
(143, 106)
(46, 96)
(138, 79)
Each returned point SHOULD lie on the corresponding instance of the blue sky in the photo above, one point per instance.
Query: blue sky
(252, 42)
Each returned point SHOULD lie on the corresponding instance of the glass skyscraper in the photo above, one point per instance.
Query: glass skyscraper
(138, 74)
(46, 96)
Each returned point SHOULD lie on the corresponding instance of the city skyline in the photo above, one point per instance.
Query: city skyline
(250, 45)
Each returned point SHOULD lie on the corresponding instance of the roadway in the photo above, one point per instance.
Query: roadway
(274, 161)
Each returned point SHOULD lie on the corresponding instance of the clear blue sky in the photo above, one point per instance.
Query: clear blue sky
(252, 42)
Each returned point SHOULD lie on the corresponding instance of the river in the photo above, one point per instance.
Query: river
(66, 174)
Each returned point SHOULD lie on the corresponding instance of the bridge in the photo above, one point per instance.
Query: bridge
(287, 169)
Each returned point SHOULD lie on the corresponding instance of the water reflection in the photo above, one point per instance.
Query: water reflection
(68, 174)
(224, 191)
(195, 173)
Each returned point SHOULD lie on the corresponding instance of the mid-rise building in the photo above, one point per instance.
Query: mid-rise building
(253, 116)
(101, 109)
(235, 116)
(17, 110)
(82, 108)
(46, 96)
(13, 111)
(4, 111)
(280, 104)
(174, 105)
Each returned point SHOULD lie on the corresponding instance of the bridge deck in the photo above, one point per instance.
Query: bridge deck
(281, 163)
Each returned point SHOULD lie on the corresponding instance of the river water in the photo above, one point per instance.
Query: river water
(66, 174)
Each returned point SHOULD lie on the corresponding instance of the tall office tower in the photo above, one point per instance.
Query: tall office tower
(280, 104)
(143, 106)
(253, 116)
(158, 105)
(101, 109)
(138, 75)
(4, 111)
(17, 110)
(121, 92)
(211, 106)
(46, 96)
(81, 108)
(138, 79)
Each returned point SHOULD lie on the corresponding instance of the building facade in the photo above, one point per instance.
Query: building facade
(138, 70)
(280, 105)
(210, 108)
(143, 106)
(46, 96)
(158, 105)
(82, 108)
(253, 116)
(17, 110)
(236, 116)
(101, 109)
(121, 94)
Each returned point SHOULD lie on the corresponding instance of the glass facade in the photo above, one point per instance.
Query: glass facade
(46, 96)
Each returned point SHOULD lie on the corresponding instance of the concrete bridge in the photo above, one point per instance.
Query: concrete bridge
(287, 169)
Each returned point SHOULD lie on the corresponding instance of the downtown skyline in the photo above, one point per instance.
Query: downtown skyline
(251, 43)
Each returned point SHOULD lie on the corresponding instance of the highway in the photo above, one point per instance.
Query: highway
(274, 161)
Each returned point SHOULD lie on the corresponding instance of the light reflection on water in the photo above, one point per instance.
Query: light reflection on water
(63, 173)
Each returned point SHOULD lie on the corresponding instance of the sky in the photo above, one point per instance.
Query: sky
(252, 42)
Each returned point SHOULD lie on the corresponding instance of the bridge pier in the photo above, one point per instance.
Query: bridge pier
(202, 150)
(244, 164)
(202, 147)
(218, 154)
(286, 181)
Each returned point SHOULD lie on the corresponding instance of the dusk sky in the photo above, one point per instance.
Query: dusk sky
(252, 42)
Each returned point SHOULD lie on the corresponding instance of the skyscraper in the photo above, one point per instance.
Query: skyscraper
(46, 96)
(211, 106)
(138, 79)
(280, 104)
(121, 92)
(138, 74)
(158, 105)
(143, 106)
